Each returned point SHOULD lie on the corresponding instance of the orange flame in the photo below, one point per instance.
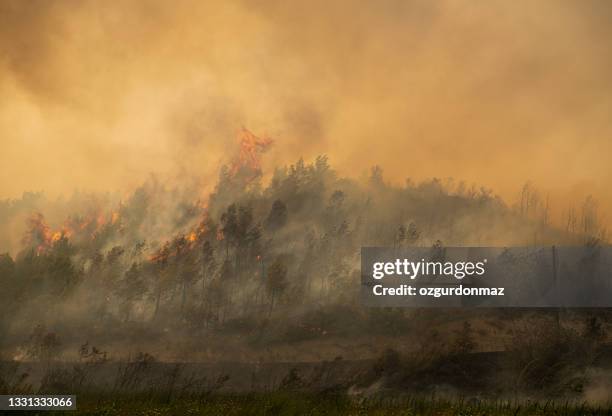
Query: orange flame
(249, 156)
(39, 235)
(192, 237)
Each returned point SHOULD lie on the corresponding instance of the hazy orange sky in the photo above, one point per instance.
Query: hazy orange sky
(96, 95)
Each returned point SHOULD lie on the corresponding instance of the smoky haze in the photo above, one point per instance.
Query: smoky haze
(97, 95)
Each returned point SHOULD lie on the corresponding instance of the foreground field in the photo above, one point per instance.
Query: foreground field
(322, 404)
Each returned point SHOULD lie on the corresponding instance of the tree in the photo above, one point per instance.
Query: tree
(229, 226)
(408, 235)
(590, 220)
(400, 236)
(184, 267)
(277, 280)
(241, 233)
(160, 263)
(438, 252)
(7, 267)
(412, 234)
(376, 177)
(7, 288)
(130, 289)
(208, 263)
(43, 345)
(277, 218)
(61, 274)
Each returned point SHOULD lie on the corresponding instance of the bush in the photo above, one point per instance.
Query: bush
(546, 355)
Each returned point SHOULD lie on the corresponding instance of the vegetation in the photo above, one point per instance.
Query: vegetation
(270, 274)
(249, 251)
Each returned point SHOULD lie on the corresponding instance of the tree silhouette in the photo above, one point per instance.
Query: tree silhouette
(131, 289)
(277, 218)
(276, 282)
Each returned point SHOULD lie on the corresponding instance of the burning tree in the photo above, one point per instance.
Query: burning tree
(39, 235)
(243, 172)
(247, 162)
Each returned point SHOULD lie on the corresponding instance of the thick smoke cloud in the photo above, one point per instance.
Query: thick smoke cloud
(96, 95)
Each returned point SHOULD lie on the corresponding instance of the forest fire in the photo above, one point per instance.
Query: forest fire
(245, 166)
(41, 237)
(89, 226)
(269, 260)
(248, 159)
(259, 207)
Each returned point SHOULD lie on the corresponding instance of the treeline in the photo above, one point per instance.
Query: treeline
(166, 258)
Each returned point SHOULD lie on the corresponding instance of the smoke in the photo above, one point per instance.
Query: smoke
(97, 95)
(598, 390)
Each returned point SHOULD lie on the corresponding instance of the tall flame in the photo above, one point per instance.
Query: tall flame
(248, 158)
(39, 235)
